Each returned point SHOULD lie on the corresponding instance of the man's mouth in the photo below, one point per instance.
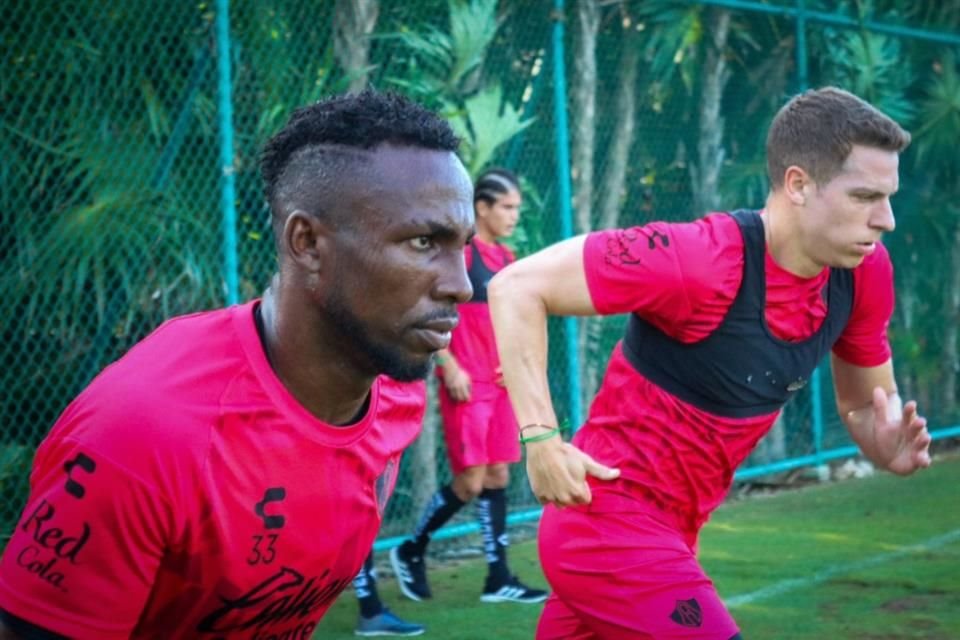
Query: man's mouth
(436, 333)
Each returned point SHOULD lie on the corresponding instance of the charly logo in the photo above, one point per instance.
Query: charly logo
(687, 613)
(285, 598)
(273, 494)
(49, 545)
(86, 464)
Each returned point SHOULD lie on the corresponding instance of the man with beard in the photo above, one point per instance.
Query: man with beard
(227, 477)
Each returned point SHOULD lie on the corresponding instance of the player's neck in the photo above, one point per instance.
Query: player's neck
(485, 235)
(311, 366)
(783, 240)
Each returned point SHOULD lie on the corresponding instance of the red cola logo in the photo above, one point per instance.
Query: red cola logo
(286, 597)
(49, 545)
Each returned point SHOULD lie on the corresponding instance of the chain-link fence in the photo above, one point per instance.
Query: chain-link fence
(129, 136)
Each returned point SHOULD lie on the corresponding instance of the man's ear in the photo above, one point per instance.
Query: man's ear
(306, 241)
(796, 183)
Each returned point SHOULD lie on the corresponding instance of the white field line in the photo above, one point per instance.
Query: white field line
(822, 576)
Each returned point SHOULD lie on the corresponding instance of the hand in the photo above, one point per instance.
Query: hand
(900, 434)
(498, 372)
(558, 472)
(457, 381)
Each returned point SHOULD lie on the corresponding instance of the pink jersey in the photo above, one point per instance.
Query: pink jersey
(473, 343)
(682, 278)
(187, 494)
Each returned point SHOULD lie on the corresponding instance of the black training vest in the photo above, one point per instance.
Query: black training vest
(479, 274)
(741, 369)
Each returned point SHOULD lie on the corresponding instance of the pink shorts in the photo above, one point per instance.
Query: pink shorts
(624, 575)
(482, 431)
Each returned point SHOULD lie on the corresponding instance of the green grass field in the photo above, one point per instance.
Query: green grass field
(873, 559)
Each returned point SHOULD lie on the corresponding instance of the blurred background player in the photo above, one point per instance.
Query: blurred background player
(478, 423)
(375, 619)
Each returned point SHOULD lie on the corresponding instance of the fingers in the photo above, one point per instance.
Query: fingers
(460, 392)
(599, 471)
(919, 439)
(563, 482)
(909, 412)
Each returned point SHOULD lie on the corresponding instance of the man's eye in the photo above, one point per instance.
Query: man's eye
(422, 243)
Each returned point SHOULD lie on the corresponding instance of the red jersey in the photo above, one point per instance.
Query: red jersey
(186, 493)
(473, 343)
(673, 455)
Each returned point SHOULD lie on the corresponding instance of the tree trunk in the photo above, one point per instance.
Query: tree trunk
(951, 344)
(614, 189)
(584, 132)
(584, 111)
(354, 21)
(614, 179)
(705, 172)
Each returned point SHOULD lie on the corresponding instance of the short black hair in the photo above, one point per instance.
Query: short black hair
(493, 183)
(332, 133)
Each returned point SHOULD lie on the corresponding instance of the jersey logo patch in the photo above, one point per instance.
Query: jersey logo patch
(687, 613)
(273, 494)
(87, 465)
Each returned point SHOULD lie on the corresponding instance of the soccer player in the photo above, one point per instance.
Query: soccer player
(478, 424)
(375, 618)
(226, 477)
(730, 315)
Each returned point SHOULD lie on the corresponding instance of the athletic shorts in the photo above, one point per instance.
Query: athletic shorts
(482, 431)
(624, 575)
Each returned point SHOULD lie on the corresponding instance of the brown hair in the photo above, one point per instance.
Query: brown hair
(817, 129)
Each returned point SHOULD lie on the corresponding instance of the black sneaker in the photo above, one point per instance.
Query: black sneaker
(411, 572)
(512, 590)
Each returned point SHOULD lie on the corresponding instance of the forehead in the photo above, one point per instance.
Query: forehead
(511, 197)
(409, 183)
(870, 168)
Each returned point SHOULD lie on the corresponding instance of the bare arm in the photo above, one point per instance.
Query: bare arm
(892, 435)
(521, 297)
(455, 379)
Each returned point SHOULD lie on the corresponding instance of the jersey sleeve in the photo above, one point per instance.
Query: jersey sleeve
(864, 341)
(666, 273)
(84, 554)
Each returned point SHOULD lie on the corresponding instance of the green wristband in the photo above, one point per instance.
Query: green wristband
(539, 437)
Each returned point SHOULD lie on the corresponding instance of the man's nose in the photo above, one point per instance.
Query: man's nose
(882, 216)
(453, 281)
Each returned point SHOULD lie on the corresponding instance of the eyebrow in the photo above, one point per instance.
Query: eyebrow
(441, 230)
(870, 192)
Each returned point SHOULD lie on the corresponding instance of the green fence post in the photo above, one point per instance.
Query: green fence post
(816, 401)
(228, 184)
(564, 192)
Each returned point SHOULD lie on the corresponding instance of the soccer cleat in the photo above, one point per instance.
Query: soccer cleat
(386, 623)
(411, 572)
(512, 591)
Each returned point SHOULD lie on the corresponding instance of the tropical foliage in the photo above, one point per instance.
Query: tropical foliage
(111, 128)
